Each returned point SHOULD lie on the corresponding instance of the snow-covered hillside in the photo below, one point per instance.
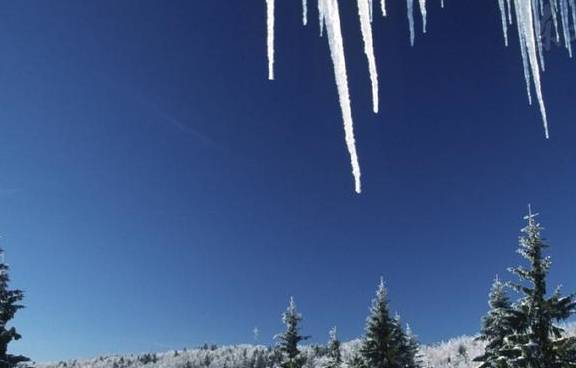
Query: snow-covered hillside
(455, 353)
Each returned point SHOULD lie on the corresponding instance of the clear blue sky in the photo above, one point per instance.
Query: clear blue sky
(157, 191)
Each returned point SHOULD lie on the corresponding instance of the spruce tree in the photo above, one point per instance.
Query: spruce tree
(334, 355)
(537, 342)
(9, 305)
(496, 327)
(356, 361)
(384, 344)
(289, 340)
(410, 350)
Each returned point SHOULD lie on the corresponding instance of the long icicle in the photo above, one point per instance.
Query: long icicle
(523, 52)
(538, 31)
(304, 12)
(366, 28)
(565, 25)
(501, 5)
(525, 20)
(331, 19)
(410, 10)
(423, 13)
(270, 37)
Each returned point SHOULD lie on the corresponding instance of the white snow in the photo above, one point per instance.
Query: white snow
(331, 19)
(366, 28)
(270, 38)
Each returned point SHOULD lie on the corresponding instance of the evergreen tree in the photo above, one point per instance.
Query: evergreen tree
(9, 305)
(385, 343)
(289, 340)
(334, 355)
(356, 361)
(410, 350)
(537, 342)
(496, 327)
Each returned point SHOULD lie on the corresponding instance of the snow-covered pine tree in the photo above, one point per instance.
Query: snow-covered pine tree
(496, 327)
(9, 305)
(356, 361)
(289, 340)
(538, 343)
(410, 350)
(384, 344)
(334, 355)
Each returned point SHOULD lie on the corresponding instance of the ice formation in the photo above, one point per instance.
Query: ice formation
(270, 37)
(331, 20)
(366, 28)
(530, 17)
(410, 11)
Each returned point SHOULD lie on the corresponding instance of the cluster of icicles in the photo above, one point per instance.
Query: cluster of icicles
(528, 14)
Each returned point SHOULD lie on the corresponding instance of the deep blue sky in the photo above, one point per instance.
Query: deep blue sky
(157, 191)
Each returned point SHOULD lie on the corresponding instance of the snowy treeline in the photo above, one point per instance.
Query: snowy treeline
(525, 333)
(454, 353)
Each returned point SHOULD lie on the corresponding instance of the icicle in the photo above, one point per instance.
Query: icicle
(321, 17)
(366, 29)
(442, 4)
(270, 38)
(423, 13)
(504, 25)
(565, 25)
(525, 19)
(538, 32)
(370, 10)
(410, 6)
(554, 11)
(522, 43)
(573, 6)
(528, 14)
(331, 18)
